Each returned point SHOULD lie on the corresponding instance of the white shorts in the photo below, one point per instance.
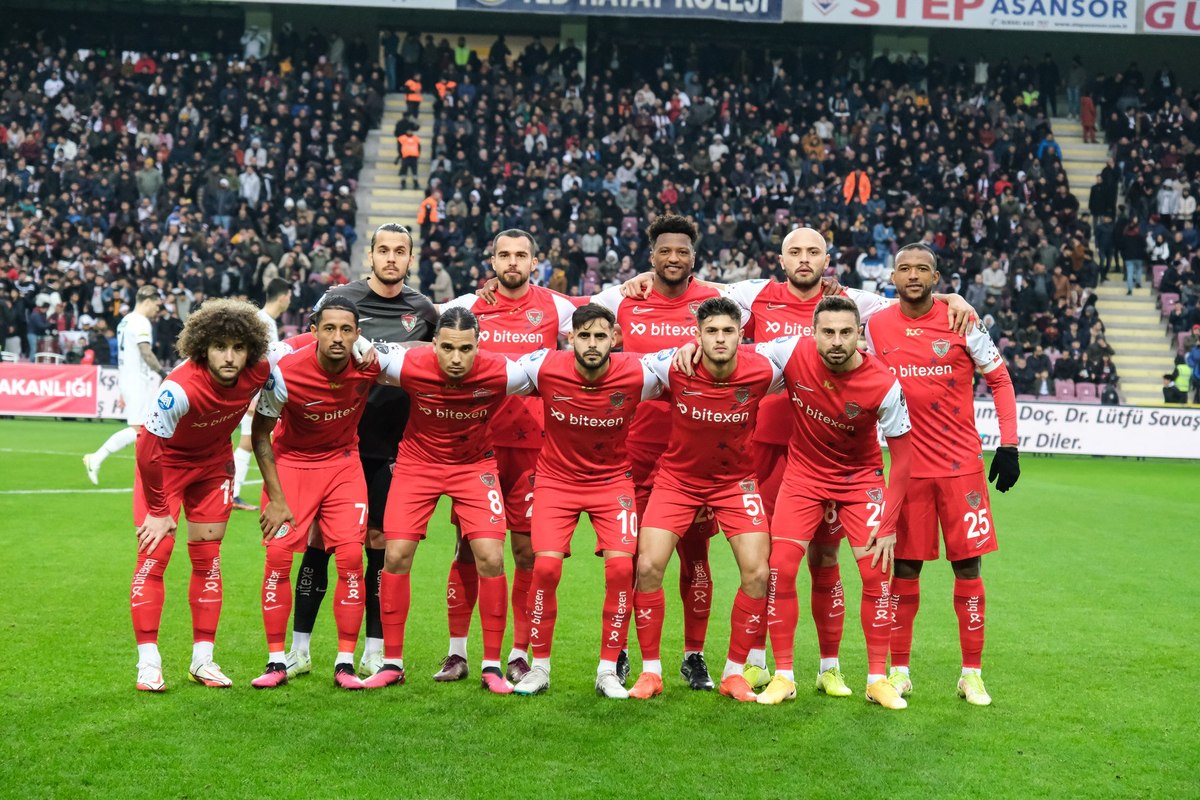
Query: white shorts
(137, 396)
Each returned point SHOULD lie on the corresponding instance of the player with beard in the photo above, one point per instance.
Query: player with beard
(389, 311)
(667, 318)
(522, 319)
(590, 396)
(785, 308)
(936, 367)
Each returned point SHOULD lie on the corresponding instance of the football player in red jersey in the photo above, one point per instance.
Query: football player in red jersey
(666, 317)
(713, 416)
(936, 366)
(590, 396)
(447, 450)
(312, 472)
(523, 319)
(184, 458)
(835, 468)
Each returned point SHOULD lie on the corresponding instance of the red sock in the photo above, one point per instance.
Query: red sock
(277, 596)
(205, 590)
(146, 591)
(876, 613)
(783, 611)
(618, 596)
(828, 608)
(906, 599)
(394, 597)
(744, 621)
(649, 606)
(462, 587)
(543, 603)
(695, 585)
(349, 595)
(522, 580)
(969, 605)
(493, 613)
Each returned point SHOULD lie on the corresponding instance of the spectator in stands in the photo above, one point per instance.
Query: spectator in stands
(1177, 383)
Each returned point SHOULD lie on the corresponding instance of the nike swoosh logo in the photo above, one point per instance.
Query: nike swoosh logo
(774, 622)
(756, 521)
(203, 600)
(982, 541)
(561, 398)
(974, 628)
(344, 603)
(135, 605)
(314, 403)
(699, 610)
(775, 306)
(486, 317)
(365, 319)
(839, 614)
(802, 387)
(687, 393)
(271, 608)
(884, 625)
(640, 310)
(427, 394)
(835, 529)
(752, 631)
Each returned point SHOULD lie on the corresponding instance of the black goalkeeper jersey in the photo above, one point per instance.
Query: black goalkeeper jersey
(407, 317)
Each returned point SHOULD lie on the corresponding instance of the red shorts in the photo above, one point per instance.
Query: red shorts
(516, 482)
(610, 507)
(962, 506)
(770, 460)
(334, 496)
(826, 520)
(737, 507)
(643, 460)
(417, 487)
(205, 491)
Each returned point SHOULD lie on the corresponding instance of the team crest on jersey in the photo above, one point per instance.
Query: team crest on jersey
(617, 399)
(741, 394)
(626, 501)
(974, 499)
(166, 400)
(747, 486)
(941, 347)
(534, 316)
(693, 307)
(875, 495)
(853, 409)
(481, 393)
(409, 321)
(489, 480)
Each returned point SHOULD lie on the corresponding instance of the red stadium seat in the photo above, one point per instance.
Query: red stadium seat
(1181, 340)
(592, 261)
(782, 215)
(1086, 392)
(1166, 302)
(629, 226)
(1064, 390)
(1157, 271)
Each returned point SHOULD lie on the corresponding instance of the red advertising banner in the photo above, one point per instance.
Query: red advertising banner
(49, 390)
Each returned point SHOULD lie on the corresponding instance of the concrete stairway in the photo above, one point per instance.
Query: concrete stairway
(1082, 162)
(380, 198)
(1134, 330)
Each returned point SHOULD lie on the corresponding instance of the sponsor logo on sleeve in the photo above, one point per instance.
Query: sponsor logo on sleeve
(166, 400)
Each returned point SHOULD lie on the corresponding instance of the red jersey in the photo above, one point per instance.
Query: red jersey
(532, 322)
(936, 368)
(318, 410)
(449, 421)
(712, 419)
(774, 312)
(195, 415)
(648, 326)
(587, 422)
(834, 447)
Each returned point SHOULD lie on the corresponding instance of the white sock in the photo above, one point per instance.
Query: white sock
(544, 663)
(968, 671)
(653, 666)
(372, 647)
(901, 670)
(458, 646)
(732, 668)
(118, 441)
(757, 657)
(687, 653)
(827, 664)
(202, 653)
(344, 657)
(786, 673)
(148, 654)
(606, 666)
(301, 642)
(489, 664)
(871, 678)
(274, 657)
(241, 465)
(514, 654)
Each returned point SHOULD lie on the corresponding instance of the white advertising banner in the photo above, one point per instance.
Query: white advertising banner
(1172, 16)
(1094, 430)
(1082, 16)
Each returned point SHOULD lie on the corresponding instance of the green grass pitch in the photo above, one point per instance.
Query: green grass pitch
(1091, 631)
